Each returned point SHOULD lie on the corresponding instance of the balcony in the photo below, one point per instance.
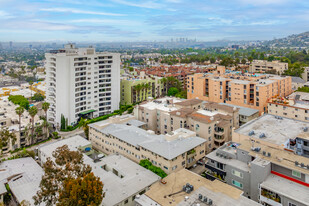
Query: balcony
(212, 175)
(270, 197)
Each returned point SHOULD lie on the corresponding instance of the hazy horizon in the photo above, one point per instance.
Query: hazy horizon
(158, 20)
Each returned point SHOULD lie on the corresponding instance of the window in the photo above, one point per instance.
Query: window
(126, 201)
(220, 165)
(296, 174)
(236, 173)
(292, 204)
(237, 184)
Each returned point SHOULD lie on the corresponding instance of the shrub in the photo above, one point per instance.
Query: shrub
(148, 165)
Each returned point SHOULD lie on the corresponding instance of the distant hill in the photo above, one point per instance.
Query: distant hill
(295, 40)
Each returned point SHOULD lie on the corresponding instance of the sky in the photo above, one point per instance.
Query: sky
(146, 20)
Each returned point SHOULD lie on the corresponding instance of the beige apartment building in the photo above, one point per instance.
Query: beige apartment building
(10, 120)
(264, 66)
(168, 114)
(296, 106)
(246, 90)
(124, 135)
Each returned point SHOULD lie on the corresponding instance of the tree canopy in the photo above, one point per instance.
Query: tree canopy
(68, 181)
(19, 100)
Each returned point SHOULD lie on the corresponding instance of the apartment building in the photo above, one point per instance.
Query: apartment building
(81, 83)
(241, 89)
(115, 171)
(22, 177)
(245, 114)
(168, 114)
(264, 66)
(123, 135)
(264, 173)
(267, 160)
(10, 120)
(137, 89)
(185, 188)
(296, 106)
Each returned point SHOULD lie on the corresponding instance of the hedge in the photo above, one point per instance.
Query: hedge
(148, 165)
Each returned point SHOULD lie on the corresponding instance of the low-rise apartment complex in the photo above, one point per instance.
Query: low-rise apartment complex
(264, 66)
(138, 89)
(246, 90)
(10, 120)
(168, 114)
(171, 152)
(296, 106)
(123, 179)
(263, 161)
(185, 188)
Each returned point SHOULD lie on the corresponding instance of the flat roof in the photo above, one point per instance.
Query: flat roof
(162, 104)
(243, 110)
(131, 177)
(277, 131)
(278, 156)
(27, 180)
(155, 143)
(218, 191)
(232, 162)
(189, 102)
(287, 188)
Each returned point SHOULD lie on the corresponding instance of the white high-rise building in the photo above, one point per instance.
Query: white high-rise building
(81, 82)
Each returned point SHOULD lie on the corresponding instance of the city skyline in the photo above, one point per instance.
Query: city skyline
(161, 20)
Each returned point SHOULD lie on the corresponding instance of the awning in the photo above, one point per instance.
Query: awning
(87, 112)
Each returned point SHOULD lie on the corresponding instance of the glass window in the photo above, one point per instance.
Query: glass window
(237, 184)
(296, 174)
(237, 173)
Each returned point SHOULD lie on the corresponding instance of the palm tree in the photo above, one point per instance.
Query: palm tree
(147, 87)
(164, 82)
(19, 111)
(84, 124)
(32, 112)
(144, 90)
(45, 107)
(30, 87)
(138, 88)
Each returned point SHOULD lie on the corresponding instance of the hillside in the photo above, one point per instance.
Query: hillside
(295, 40)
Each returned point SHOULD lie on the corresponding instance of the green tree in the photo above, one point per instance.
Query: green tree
(67, 165)
(212, 60)
(83, 123)
(45, 107)
(19, 111)
(250, 59)
(19, 100)
(243, 61)
(6, 137)
(172, 91)
(295, 69)
(32, 112)
(38, 97)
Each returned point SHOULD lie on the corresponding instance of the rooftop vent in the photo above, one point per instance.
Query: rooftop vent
(210, 202)
(296, 163)
(205, 199)
(251, 133)
(200, 196)
(268, 154)
(264, 153)
(262, 135)
(305, 129)
(188, 188)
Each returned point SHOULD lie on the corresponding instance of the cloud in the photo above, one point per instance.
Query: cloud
(79, 11)
(141, 4)
(5, 15)
(107, 21)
